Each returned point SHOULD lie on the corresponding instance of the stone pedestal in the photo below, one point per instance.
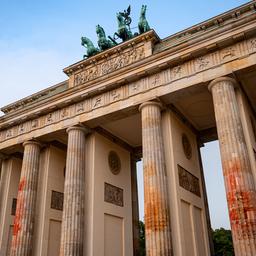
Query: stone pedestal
(157, 219)
(22, 238)
(238, 177)
(72, 232)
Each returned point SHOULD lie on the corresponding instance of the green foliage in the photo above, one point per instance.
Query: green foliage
(142, 251)
(222, 239)
(223, 245)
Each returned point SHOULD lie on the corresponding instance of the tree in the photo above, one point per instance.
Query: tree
(222, 240)
(142, 251)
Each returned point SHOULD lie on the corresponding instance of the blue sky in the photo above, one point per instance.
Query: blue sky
(40, 38)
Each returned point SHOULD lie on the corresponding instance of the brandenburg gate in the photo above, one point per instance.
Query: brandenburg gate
(68, 182)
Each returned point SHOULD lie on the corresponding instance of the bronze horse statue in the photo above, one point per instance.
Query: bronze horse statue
(123, 31)
(103, 42)
(91, 49)
(143, 23)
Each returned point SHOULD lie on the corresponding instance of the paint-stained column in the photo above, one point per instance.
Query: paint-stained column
(22, 238)
(239, 182)
(157, 219)
(72, 232)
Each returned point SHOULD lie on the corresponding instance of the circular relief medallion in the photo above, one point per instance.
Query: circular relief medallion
(114, 162)
(186, 146)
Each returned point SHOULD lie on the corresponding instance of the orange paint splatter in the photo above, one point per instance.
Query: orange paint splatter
(19, 213)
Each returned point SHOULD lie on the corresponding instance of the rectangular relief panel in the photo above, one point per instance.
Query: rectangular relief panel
(188, 181)
(54, 238)
(57, 199)
(113, 195)
(113, 235)
(188, 242)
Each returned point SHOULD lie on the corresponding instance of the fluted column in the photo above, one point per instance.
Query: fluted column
(156, 206)
(238, 177)
(2, 158)
(26, 202)
(73, 212)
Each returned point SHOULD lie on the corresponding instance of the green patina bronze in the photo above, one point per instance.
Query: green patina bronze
(91, 49)
(124, 32)
(126, 15)
(143, 23)
(103, 42)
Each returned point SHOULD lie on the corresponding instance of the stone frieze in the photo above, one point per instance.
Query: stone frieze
(114, 63)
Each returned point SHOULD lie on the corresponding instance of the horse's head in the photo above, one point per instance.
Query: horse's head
(98, 27)
(84, 40)
(100, 31)
(119, 17)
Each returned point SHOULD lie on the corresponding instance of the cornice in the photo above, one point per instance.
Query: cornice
(211, 24)
(34, 98)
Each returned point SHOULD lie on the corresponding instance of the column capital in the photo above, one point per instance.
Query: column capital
(222, 79)
(85, 130)
(151, 103)
(32, 142)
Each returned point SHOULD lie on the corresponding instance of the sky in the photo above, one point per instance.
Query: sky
(40, 38)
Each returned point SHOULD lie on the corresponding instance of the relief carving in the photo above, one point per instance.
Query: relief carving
(21, 128)
(64, 112)
(80, 107)
(114, 162)
(188, 181)
(49, 118)
(115, 95)
(97, 102)
(34, 123)
(57, 200)
(113, 195)
(202, 62)
(253, 43)
(14, 206)
(230, 52)
(155, 80)
(177, 72)
(187, 148)
(135, 87)
(110, 65)
(9, 133)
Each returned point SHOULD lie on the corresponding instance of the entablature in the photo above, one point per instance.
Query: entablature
(152, 70)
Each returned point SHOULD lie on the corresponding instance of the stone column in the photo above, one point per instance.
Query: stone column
(135, 205)
(22, 238)
(2, 158)
(72, 232)
(156, 204)
(238, 177)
